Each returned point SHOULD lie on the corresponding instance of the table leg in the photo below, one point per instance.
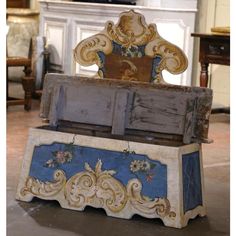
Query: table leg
(204, 75)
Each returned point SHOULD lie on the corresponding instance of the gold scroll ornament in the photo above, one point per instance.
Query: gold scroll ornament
(99, 189)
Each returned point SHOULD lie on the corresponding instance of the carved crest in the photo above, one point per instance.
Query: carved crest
(133, 41)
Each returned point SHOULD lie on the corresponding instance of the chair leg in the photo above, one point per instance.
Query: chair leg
(7, 83)
(28, 86)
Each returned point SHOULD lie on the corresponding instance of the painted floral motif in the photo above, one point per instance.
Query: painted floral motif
(132, 51)
(60, 157)
(135, 166)
(145, 167)
(128, 151)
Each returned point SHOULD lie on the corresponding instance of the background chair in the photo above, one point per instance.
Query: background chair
(25, 53)
(19, 58)
(27, 80)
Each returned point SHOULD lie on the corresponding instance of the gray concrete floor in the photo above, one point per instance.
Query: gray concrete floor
(48, 218)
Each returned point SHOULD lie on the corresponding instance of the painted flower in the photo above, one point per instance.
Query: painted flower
(132, 51)
(135, 166)
(60, 157)
(63, 156)
(50, 163)
(149, 177)
(68, 156)
(145, 165)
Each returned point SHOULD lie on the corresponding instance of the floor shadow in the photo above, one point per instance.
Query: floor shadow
(95, 222)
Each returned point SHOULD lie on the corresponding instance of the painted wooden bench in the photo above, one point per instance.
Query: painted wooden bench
(123, 144)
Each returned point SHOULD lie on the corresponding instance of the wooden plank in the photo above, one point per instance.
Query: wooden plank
(15, 101)
(88, 104)
(119, 112)
(128, 137)
(203, 111)
(52, 79)
(154, 135)
(189, 121)
(74, 126)
(56, 105)
(158, 111)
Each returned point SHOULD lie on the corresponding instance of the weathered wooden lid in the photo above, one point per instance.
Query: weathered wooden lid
(124, 106)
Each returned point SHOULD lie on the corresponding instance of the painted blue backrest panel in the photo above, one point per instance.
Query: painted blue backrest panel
(192, 188)
(156, 61)
(133, 51)
(72, 158)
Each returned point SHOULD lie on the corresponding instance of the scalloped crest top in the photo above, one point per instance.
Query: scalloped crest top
(131, 50)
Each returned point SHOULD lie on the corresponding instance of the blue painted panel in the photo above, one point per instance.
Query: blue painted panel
(192, 188)
(156, 61)
(71, 159)
(102, 57)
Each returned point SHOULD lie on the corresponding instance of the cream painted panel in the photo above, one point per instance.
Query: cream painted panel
(174, 32)
(126, 200)
(221, 100)
(55, 33)
(213, 13)
(182, 4)
(221, 78)
(222, 16)
(220, 82)
(153, 3)
(83, 32)
(34, 4)
(223, 3)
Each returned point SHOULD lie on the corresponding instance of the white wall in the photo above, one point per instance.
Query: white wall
(213, 13)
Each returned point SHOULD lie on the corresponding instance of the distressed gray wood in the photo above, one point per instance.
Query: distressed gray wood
(88, 104)
(97, 129)
(123, 105)
(131, 135)
(189, 121)
(119, 112)
(158, 112)
(55, 104)
(203, 111)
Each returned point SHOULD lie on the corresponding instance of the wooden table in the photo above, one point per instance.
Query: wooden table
(214, 49)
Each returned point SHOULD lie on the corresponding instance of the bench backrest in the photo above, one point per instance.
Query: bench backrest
(131, 50)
